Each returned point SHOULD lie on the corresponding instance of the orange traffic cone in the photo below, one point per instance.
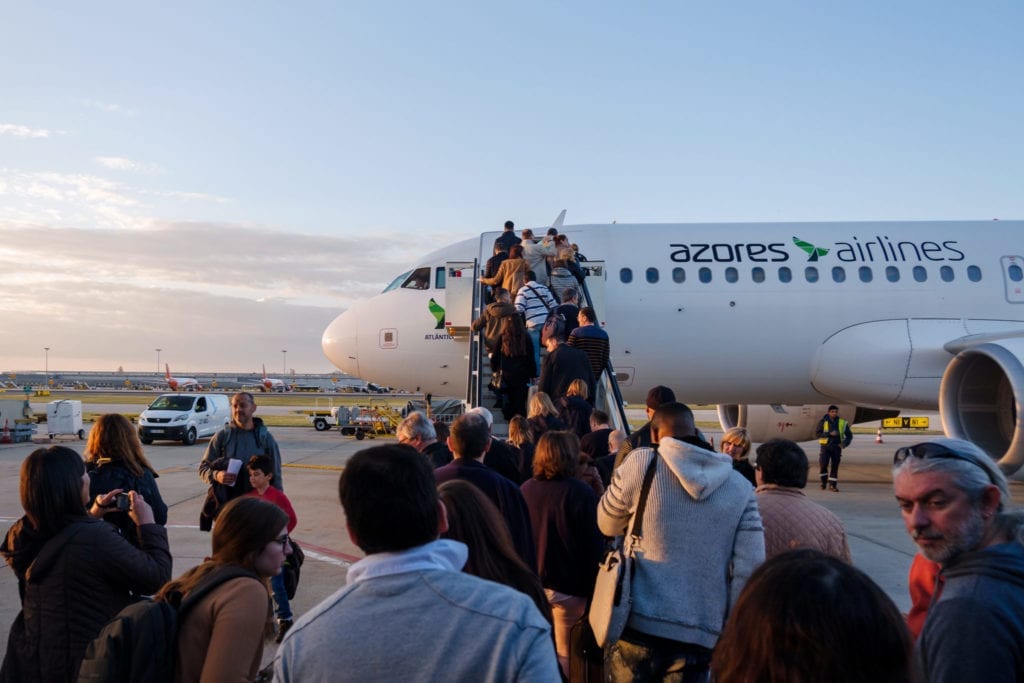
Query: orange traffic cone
(878, 436)
(6, 438)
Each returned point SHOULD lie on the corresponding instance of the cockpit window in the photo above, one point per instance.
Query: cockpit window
(418, 279)
(439, 277)
(397, 282)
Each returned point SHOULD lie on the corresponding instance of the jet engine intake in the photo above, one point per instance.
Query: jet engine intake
(980, 400)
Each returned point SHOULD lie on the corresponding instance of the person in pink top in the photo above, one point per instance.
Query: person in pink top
(261, 476)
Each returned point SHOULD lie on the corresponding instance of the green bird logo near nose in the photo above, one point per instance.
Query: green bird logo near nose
(812, 251)
(438, 312)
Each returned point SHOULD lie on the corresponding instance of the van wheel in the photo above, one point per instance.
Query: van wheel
(190, 436)
(146, 440)
(321, 424)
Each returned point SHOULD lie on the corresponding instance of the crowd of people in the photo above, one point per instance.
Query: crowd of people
(481, 553)
(534, 331)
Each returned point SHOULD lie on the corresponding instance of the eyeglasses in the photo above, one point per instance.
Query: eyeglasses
(283, 540)
(925, 451)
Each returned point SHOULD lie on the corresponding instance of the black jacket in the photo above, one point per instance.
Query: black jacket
(560, 367)
(575, 413)
(70, 587)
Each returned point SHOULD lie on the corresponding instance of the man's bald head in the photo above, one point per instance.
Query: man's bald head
(674, 420)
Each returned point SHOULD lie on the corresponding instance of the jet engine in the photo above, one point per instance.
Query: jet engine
(796, 423)
(980, 396)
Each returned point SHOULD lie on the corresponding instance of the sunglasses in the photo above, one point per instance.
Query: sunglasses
(925, 451)
(283, 540)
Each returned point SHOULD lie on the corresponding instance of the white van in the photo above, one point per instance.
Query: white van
(184, 417)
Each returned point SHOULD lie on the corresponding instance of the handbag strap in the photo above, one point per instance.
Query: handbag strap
(636, 529)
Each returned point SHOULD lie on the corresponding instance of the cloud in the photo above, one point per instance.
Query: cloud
(192, 196)
(110, 107)
(85, 200)
(20, 131)
(216, 296)
(122, 164)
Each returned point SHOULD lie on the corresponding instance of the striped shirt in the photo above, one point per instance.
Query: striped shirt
(535, 301)
(593, 341)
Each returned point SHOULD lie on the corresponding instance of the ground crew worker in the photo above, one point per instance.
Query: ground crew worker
(834, 435)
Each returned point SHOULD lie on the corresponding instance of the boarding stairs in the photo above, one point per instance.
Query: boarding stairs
(609, 397)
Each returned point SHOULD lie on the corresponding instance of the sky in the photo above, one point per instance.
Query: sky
(220, 180)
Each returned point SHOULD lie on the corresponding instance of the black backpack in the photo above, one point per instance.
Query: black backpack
(140, 642)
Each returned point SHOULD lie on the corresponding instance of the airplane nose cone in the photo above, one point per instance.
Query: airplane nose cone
(339, 343)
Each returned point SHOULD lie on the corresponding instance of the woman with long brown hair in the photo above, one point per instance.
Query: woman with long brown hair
(115, 459)
(221, 638)
(514, 357)
(563, 514)
(474, 520)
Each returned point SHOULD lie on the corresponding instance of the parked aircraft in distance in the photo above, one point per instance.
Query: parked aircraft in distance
(269, 384)
(180, 383)
(771, 321)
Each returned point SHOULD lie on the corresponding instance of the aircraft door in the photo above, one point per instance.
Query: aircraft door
(1013, 276)
(594, 271)
(460, 284)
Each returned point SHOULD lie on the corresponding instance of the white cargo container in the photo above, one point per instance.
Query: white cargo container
(64, 417)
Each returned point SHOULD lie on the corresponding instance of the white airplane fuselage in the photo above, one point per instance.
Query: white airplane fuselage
(865, 314)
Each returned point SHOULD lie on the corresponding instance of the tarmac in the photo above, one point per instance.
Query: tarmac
(313, 460)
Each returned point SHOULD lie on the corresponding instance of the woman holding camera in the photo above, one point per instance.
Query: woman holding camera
(74, 571)
(115, 459)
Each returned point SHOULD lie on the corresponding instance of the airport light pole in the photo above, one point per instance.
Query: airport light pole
(284, 361)
(46, 364)
(158, 360)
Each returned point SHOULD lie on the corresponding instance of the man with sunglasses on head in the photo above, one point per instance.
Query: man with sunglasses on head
(956, 506)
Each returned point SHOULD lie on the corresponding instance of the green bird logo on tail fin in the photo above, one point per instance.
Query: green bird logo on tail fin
(812, 251)
(438, 313)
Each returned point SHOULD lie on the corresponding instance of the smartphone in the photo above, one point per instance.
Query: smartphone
(123, 502)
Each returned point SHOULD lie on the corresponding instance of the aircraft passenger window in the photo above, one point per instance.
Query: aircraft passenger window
(892, 273)
(418, 279)
(397, 282)
(865, 274)
(652, 275)
(626, 275)
(785, 275)
(1015, 273)
(731, 274)
(439, 277)
(946, 273)
(811, 273)
(757, 274)
(838, 274)
(705, 275)
(973, 273)
(920, 274)
(679, 275)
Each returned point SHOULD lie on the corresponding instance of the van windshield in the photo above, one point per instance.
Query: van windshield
(172, 403)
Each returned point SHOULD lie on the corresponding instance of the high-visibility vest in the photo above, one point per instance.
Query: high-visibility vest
(842, 432)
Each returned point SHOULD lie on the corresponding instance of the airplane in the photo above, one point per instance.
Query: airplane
(269, 384)
(770, 321)
(180, 383)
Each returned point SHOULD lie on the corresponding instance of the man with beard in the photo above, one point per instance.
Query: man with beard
(955, 505)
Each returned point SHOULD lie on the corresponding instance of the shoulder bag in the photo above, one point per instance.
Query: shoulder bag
(609, 609)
